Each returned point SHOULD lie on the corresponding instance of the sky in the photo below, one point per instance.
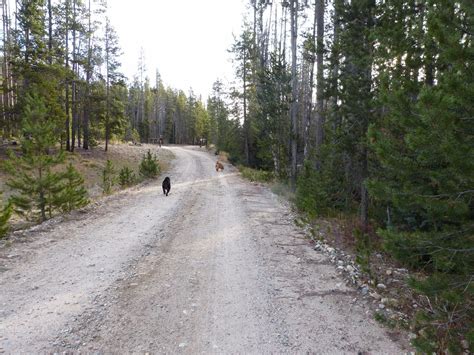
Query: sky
(186, 40)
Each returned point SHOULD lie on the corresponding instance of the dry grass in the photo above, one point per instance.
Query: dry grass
(90, 163)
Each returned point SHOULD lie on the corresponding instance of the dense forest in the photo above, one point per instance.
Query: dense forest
(363, 107)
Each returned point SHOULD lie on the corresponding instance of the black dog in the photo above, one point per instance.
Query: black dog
(166, 185)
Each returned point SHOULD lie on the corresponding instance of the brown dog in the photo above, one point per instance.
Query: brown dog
(219, 166)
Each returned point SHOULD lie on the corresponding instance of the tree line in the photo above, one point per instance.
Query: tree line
(366, 107)
(67, 53)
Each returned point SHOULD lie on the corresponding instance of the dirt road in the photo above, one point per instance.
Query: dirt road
(218, 266)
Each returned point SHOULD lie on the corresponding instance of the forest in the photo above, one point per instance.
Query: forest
(365, 108)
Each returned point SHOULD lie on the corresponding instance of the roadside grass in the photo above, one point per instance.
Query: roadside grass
(91, 163)
(255, 175)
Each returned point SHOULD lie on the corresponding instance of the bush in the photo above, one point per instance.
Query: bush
(256, 175)
(5, 215)
(126, 177)
(73, 193)
(135, 136)
(149, 167)
(108, 178)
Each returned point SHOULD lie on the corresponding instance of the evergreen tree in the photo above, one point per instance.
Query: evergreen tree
(425, 145)
(149, 167)
(113, 77)
(5, 215)
(126, 177)
(32, 172)
(73, 194)
(108, 178)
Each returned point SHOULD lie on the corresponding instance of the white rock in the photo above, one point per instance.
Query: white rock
(381, 286)
(375, 295)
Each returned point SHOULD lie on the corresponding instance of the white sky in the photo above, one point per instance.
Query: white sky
(186, 40)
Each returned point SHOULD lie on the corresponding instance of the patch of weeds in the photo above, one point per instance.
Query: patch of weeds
(299, 222)
(256, 175)
(383, 319)
(392, 322)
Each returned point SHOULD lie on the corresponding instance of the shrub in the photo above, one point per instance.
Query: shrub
(149, 167)
(5, 215)
(108, 178)
(73, 193)
(256, 175)
(126, 177)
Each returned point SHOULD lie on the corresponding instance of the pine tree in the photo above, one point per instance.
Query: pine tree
(73, 194)
(108, 178)
(149, 167)
(425, 145)
(32, 172)
(126, 177)
(113, 78)
(5, 215)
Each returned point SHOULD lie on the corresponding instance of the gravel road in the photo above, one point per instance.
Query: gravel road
(218, 266)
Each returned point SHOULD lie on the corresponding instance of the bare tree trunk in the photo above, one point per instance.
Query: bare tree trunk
(107, 104)
(246, 123)
(6, 73)
(320, 118)
(50, 33)
(294, 91)
(87, 109)
(335, 69)
(68, 123)
(74, 93)
(309, 108)
(364, 203)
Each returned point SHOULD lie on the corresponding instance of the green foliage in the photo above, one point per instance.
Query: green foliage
(126, 177)
(73, 194)
(271, 120)
(321, 192)
(108, 178)
(135, 136)
(311, 196)
(35, 183)
(425, 147)
(364, 251)
(5, 215)
(256, 174)
(149, 166)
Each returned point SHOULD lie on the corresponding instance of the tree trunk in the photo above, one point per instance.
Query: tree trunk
(364, 203)
(6, 74)
(50, 33)
(68, 123)
(85, 124)
(246, 123)
(294, 91)
(309, 104)
(74, 93)
(320, 118)
(107, 103)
